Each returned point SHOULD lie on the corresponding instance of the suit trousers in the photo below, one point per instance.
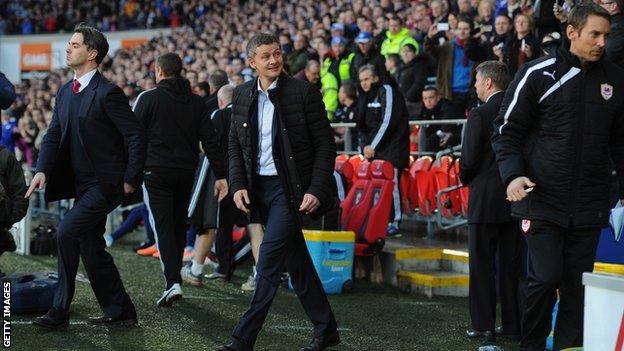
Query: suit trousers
(283, 246)
(80, 234)
(167, 192)
(490, 243)
(558, 257)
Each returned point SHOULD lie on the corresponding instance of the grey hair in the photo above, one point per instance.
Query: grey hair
(368, 67)
(225, 93)
(496, 71)
(260, 39)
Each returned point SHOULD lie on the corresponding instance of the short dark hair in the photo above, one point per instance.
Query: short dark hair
(410, 46)
(260, 39)
(218, 79)
(170, 63)
(349, 89)
(466, 19)
(430, 88)
(579, 14)
(94, 40)
(496, 71)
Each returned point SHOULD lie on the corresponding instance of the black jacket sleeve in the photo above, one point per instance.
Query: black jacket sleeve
(617, 149)
(472, 147)
(513, 124)
(7, 92)
(15, 187)
(118, 110)
(51, 142)
(237, 175)
(211, 144)
(322, 137)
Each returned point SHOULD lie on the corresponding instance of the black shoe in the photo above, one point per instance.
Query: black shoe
(236, 345)
(478, 334)
(143, 245)
(53, 319)
(323, 342)
(114, 321)
(512, 337)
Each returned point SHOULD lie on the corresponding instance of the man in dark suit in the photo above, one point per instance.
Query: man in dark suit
(492, 231)
(94, 151)
(281, 152)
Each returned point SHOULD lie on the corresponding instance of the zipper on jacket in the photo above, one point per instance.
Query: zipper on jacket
(578, 147)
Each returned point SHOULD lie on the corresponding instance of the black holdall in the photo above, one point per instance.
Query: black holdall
(44, 242)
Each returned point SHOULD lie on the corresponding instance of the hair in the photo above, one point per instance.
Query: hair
(311, 63)
(349, 89)
(529, 19)
(465, 19)
(577, 18)
(495, 71)
(170, 64)
(410, 46)
(368, 67)
(430, 88)
(94, 40)
(217, 79)
(225, 93)
(204, 86)
(394, 57)
(260, 39)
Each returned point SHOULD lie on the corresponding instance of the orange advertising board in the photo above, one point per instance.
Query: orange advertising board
(36, 57)
(130, 43)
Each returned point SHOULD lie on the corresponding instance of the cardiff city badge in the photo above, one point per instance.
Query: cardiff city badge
(606, 91)
(526, 226)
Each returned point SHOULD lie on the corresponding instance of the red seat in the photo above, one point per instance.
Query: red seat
(463, 191)
(444, 178)
(355, 161)
(238, 233)
(366, 209)
(421, 194)
(405, 183)
(345, 169)
(342, 157)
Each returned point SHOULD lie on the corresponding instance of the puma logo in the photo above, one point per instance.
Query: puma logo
(551, 75)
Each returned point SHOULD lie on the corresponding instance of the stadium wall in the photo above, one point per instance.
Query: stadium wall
(23, 56)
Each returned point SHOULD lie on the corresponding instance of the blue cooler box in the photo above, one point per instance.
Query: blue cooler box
(332, 254)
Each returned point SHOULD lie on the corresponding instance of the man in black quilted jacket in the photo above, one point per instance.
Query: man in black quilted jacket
(281, 153)
(558, 135)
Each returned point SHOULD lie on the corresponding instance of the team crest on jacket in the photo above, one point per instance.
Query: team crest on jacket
(526, 225)
(606, 91)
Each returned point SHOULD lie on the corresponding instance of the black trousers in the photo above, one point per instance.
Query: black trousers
(487, 242)
(283, 246)
(80, 233)
(223, 240)
(166, 192)
(557, 259)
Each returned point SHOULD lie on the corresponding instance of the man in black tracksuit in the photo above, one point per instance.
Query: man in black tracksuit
(175, 121)
(559, 133)
(384, 130)
(492, 231)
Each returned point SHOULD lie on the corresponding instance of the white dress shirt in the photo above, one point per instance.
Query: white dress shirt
(85, 79)
(266, 110)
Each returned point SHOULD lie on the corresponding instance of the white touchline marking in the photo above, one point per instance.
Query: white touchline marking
(295, 327)
(207, 297)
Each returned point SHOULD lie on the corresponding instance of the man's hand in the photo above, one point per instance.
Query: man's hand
(309, 204)
(369, 152)
(516, 189)
(241, 199)
(128, 189)
(444, 140)
(38, 181)
(221, 189)
(433, 30)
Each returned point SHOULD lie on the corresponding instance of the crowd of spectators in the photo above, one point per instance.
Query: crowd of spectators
(425, 48)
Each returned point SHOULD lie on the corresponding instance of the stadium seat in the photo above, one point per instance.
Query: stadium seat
(404, 183)
(443, 178)
(355, 161)
(369, 198)
(421, 193)
(346, 170)
(463, 191)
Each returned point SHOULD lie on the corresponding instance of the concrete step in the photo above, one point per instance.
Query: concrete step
(416, 259)
(433, 283)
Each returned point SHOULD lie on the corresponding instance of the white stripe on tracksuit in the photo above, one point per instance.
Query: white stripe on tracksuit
(518, 90)
(198, 186)
(396, 196)
(153, 224)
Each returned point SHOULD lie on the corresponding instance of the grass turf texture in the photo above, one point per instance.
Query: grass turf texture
(373, 317)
